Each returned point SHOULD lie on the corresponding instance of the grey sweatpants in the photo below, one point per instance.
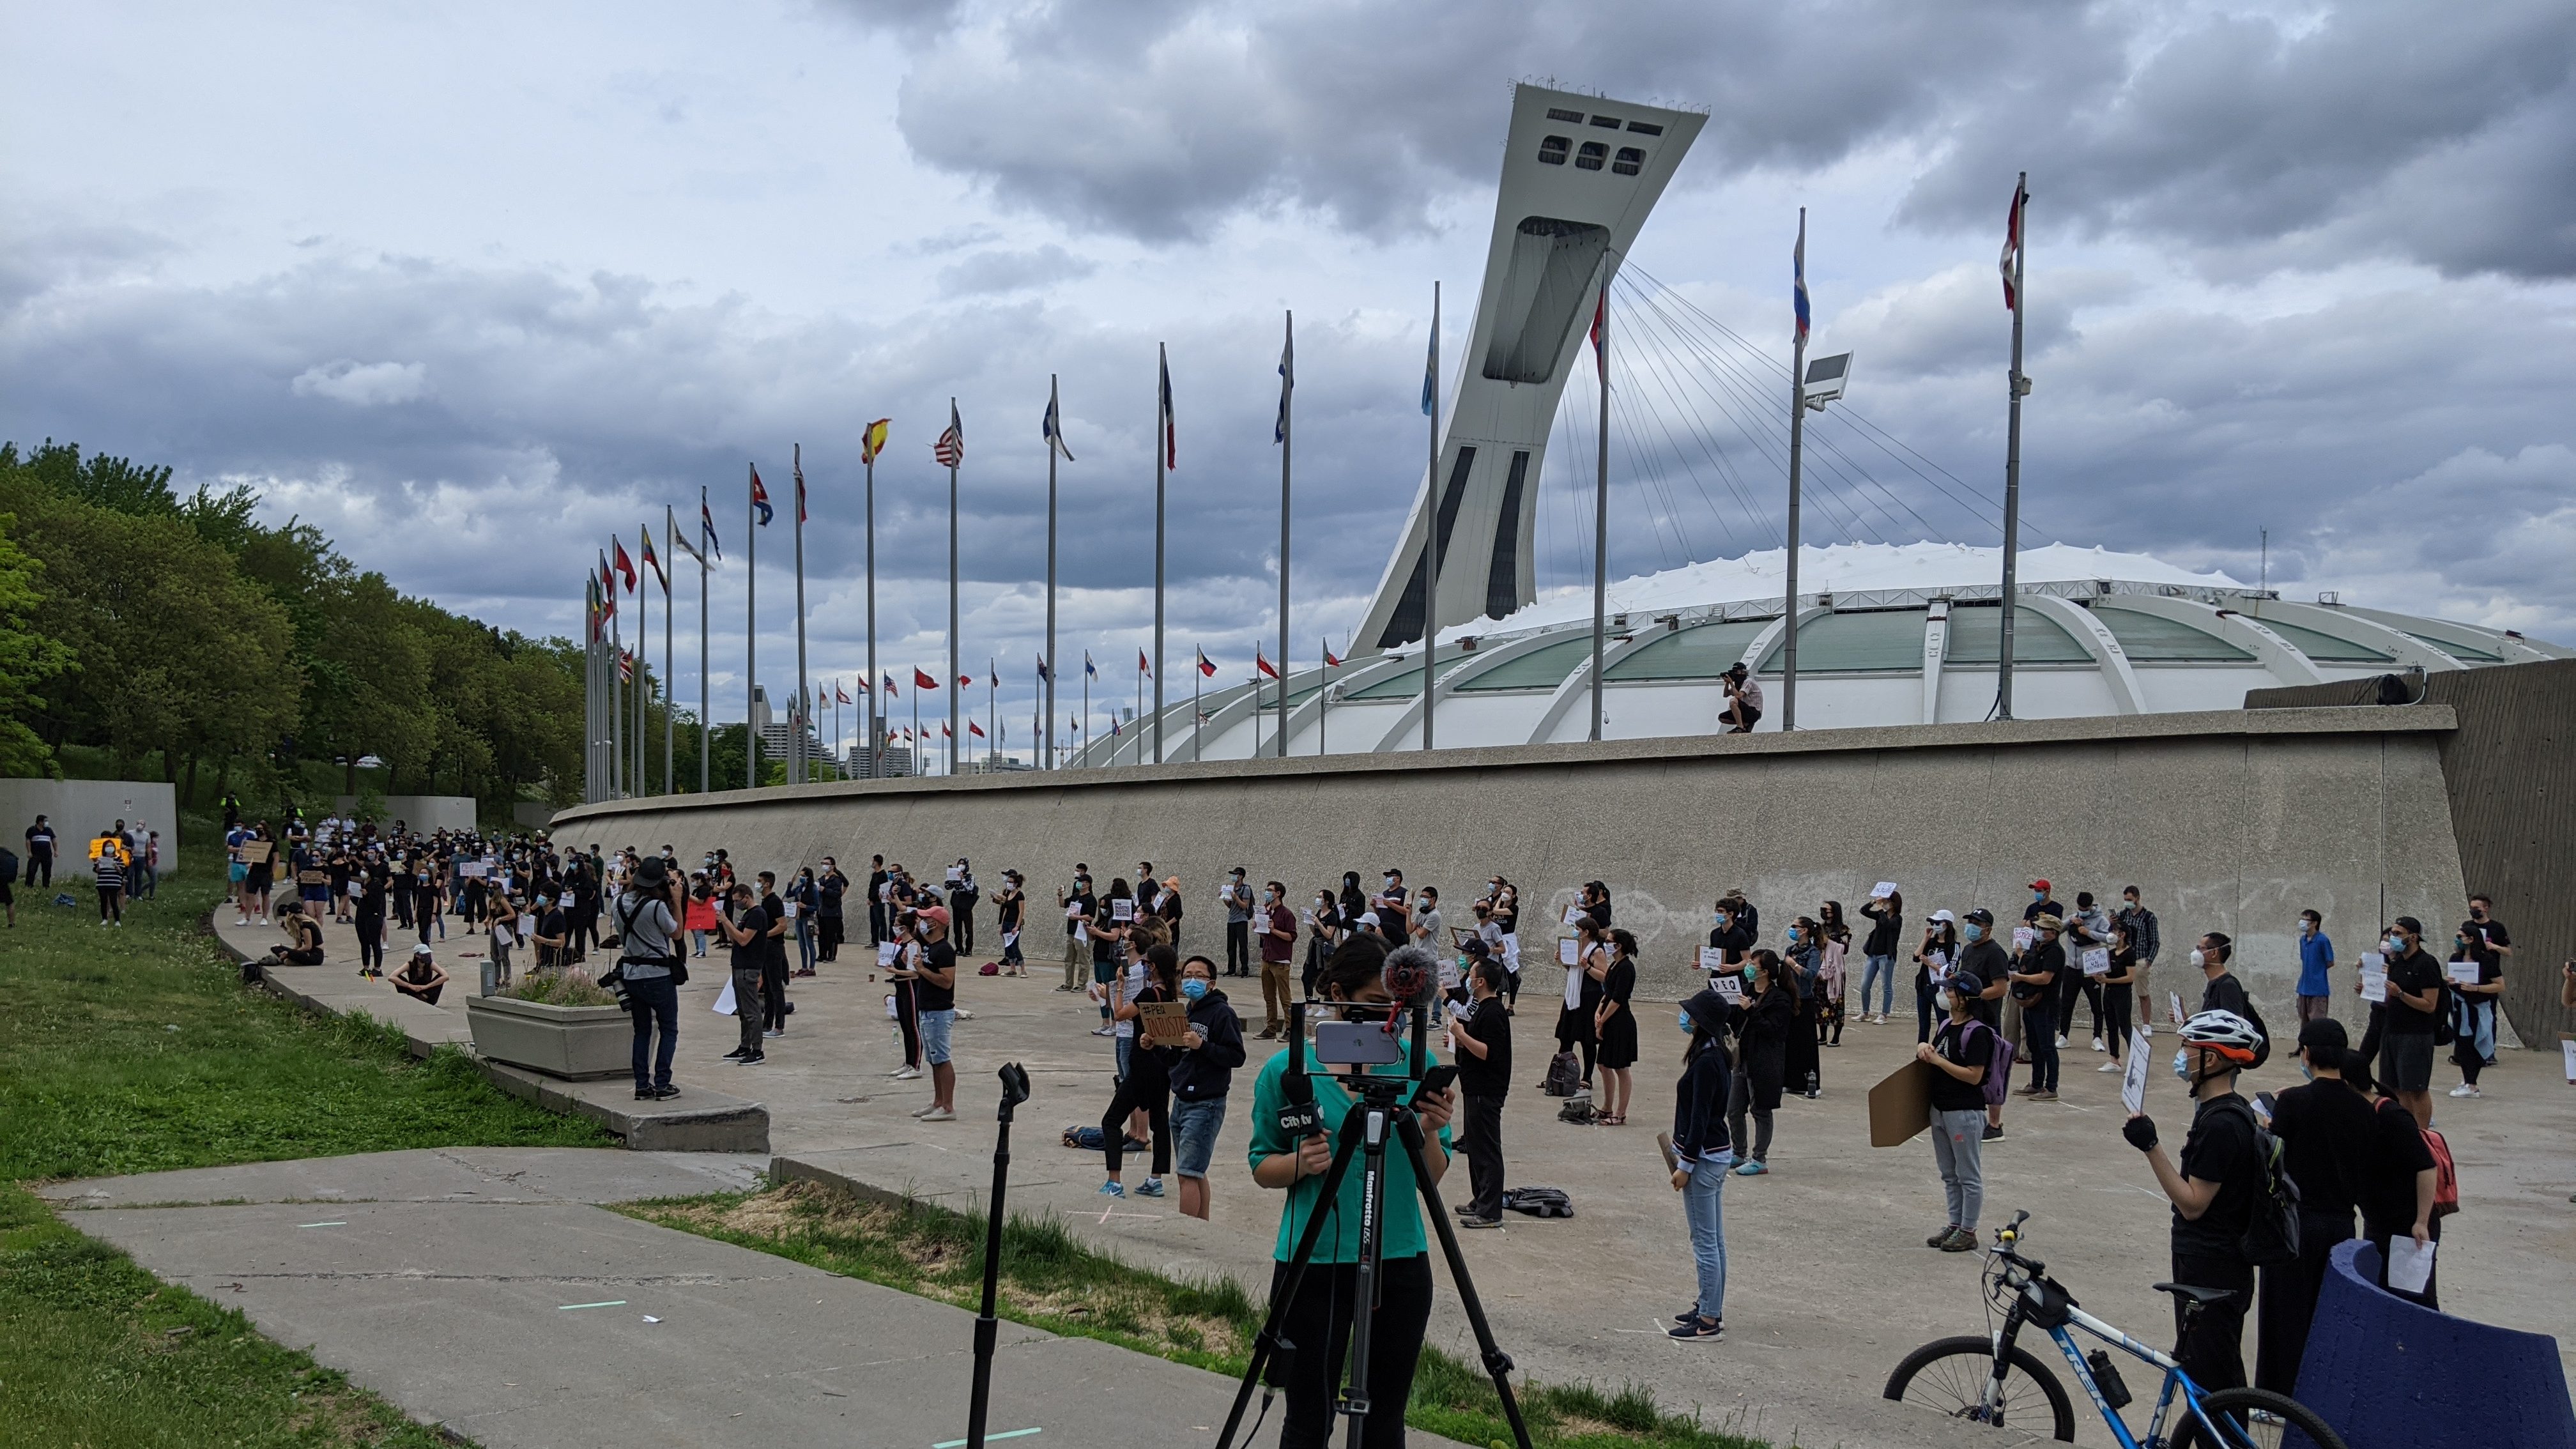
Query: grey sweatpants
(1956, 1140)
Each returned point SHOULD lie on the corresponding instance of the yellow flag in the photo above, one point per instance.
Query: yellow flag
(872, 442)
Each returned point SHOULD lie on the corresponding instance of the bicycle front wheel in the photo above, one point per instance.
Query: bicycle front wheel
(2256, 1419)
(1949, 1377)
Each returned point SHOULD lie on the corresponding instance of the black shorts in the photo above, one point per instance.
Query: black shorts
(2406, 1061)
(1751, 717)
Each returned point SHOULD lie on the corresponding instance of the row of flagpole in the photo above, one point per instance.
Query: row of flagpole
(616, 761)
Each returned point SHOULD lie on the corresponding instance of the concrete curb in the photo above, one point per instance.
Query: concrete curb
(713, 1122)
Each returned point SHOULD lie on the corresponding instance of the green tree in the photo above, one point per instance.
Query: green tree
(27, 659)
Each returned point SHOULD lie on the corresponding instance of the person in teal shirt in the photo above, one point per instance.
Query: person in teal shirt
(1318, 1320)
(2316, 957)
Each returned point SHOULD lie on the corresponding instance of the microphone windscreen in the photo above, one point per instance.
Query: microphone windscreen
(1411, 975)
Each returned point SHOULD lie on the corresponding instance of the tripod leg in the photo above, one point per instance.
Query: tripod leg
(1286, 1292)
(1498, 1364)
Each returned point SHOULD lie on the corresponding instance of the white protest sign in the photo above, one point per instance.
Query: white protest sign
(2374, 978)
(1712, 959)
(1574, 915)
(1882, 890)
(2410, 1267)
(2133, 1080)
(2463, 972)
(1730, 986)
(2173, 1004)
(2097, 962)
(1566, 952)
(1122, 909)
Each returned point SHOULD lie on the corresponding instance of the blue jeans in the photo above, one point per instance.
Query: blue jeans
(1702, 1204)
(650, 1001)
(935, 1026)
(804, 943)
(1194, 1129)
(1881, 969)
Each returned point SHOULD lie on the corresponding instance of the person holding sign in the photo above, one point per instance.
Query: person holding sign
(2119, 978)
(1202, 1070)
(1585, 968)
(2034, 982)
(1146, 1084)
(1113, 916)
(1961, 1055)
(2475, 976)
(2415, 997)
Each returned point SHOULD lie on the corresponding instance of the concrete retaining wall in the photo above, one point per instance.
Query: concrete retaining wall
(2230, 820)
(79, 809)
(421, 813)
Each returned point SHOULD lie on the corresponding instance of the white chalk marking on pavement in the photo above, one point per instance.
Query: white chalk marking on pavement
(341, 1223)
(989, 1438)
(569, 1307)
(1105, 1215)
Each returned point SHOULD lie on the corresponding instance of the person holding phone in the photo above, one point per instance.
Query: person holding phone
(1318, 1320)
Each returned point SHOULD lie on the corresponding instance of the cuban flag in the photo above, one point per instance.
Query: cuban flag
(760, 499)
(707, 525)
(1798, 275)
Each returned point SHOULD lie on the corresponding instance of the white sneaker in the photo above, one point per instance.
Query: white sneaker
(924, 1110)
(2147, 1029)
(907, 1074)
(2061, 1043)
(2108, 1067)
(938, 1114)
(2464, 1090)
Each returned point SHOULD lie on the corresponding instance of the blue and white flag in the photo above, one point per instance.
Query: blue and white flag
(1052, 429)
(1088, 667)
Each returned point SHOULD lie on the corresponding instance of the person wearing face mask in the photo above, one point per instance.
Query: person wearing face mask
(1144, 1075)
(1729, 935)
(2213, 1190)
(1390, 906)
(1353, 902)
(2034, 985)
(1078, 906)
(1801, 961)
(2475, 979)
(1507, 925)
(2041, 904)
(1703, 1154)
(1278, 927)
(1482, 1035)
(1318, 1319)
(1236, 896)
(2326, 1143)
(1202, 1072)
(1769, 1016)
(2146, 936)
(1886, 915)
(2316, 958)
(1982, 956)
(2221, 991)
(1934, 960)
(1575, 1029)
(1324, 931)
(1961, 1055)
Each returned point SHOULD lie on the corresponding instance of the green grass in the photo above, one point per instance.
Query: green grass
(96, 1353)
(1049, 1280)
(137, 1050)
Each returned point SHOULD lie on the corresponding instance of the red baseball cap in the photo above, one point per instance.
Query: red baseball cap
(938, 914)
(2040, 884)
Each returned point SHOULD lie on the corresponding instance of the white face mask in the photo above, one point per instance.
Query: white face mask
(2198, 960)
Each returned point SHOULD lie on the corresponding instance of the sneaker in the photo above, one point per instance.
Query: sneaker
(2464, 1089)
(2097, 1044)
(737, 1054)
(1687, 1314)
(2109, 1066)
(774, 1033)
(2061, 1041)
(643, 1094)
(899, 1071)
(1112, 1189)
(2025, 1090)
(1104, 1029)
(755, 1059)
(2043, 1096)
(1699, 1330)
(2148, 1029)
(908, 1074)
(1960, 1240)
(938, 1114)
(665, 1093)
(1752, 1167)
(924, 1109)
(1993, 1133)
(1943, 1236)
(1476, 1222)
(1150, 1187)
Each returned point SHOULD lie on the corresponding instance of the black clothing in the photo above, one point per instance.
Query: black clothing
(2046, 959)
(1491, 1074)
(1318, 1321)
(1970, 1045)
(1618, 1045)
(1764, 1039)
(2225, 993)
(1883, 935)
(1986, 958)
(1700, 1100)
(1207, 1072)
(1480, 1137)
(1734, 940)
(2416, 973)
(2220, 1149)
(2383, 1186)
(749, 955)
(940, 956)
(2326, 1135)
(2212, 1349)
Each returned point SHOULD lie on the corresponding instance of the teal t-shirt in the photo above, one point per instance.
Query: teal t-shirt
(1402, 1236)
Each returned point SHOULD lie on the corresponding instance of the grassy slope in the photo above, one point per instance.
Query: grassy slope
(95, 1080)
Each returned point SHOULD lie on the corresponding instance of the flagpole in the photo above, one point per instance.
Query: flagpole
(1086, 700)
(1162, 455)
(1158, 688)
(670, 660)
(1601, 501)
(993, 705)
(590, 690)
(706, 725)
(1797, 443)
(2015, 385)
(1046, 663)
(1431, 518)
(1287, 399)
(799, 764)
(1323, 696)
(643, 688)
(751, 635)
(616, 699)
(952, 589)
(1196, 674)
(876, 755)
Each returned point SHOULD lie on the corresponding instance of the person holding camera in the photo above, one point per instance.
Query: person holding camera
(648, 937)
(1743, 700)
(1318, 1320)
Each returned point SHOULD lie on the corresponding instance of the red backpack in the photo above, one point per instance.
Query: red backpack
(2446, 1177)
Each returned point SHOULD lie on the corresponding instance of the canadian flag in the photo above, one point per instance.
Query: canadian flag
(1141, 666)
(974, 729)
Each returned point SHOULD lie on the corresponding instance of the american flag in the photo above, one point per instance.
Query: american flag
(950, 450)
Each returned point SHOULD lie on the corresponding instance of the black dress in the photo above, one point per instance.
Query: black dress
(1619, 1033)
(1574, 1023)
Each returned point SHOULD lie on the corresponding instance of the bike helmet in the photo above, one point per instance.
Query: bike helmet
(2226, 1033)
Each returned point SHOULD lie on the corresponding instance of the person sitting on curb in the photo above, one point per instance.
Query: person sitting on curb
(303, 946)
(420, 978)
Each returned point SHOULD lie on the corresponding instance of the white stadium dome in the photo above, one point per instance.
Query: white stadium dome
(1888, 635)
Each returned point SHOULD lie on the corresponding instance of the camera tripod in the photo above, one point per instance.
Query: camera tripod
(1364, 1133)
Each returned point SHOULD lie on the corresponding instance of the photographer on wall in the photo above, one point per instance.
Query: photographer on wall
(1318, 1320)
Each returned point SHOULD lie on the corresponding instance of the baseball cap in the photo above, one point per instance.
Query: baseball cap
(936, 914)
(1944, 915)
(423, 950)
(1982, 916)
(2040, 884)
(1369, 918)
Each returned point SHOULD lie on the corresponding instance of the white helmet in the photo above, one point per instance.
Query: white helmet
(2230, 1035)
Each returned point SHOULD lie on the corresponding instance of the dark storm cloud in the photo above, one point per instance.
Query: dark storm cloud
(2446, 137)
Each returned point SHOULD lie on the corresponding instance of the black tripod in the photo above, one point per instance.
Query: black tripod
(1015, 1090)
(1364, 1132)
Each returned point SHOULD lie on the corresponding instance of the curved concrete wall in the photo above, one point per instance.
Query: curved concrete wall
(2230, 820)
(2389, 1374)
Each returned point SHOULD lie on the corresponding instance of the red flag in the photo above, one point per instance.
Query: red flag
(1205, 667)
(974, 729)
(1142, 667)
(607, 588)
(1600, 331)
(840, 695)
(965, 681)
(625, 565)
(760, 498)
(1329, 661)
(921, 680)
(1261, 662)
(946, 734)
(2012, 244)
(950, 450)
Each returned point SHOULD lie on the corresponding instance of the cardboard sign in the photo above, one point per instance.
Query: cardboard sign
(1163, 1023)
(472, 869)
(790, 907)
(1900, 1105)
(2133, 1080)
(2097, 961)
(1712, 959)
(1731, 986)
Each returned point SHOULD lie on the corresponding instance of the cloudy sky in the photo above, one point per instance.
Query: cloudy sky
(471, 286)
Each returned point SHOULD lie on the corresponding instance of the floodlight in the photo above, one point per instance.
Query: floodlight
(1825, 379)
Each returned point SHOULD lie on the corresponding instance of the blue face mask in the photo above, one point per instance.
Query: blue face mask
(1721, 920)
(2393, 946)
(1686, 1021)
(2182, 1064)
(1193, 989)
(1973, 931)
(1793, 933)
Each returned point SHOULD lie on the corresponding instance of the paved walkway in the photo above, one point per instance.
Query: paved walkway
(481, 1290)
(1829, 1282)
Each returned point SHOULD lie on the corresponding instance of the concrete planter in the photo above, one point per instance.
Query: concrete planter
(576, 1043)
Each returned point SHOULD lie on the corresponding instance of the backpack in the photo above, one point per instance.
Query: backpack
(8, 865)
(1564, 1075)
(2262, 1047)
(2272, 1233)
(2446, 1177)
(1539, 1202)
(1577, 1109)
(1998, 1083)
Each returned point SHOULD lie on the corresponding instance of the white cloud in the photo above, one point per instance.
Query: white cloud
(363, 384)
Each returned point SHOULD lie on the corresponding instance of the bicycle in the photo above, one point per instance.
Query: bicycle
(1993, 1380)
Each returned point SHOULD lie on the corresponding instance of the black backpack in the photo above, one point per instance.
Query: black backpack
(2272, 1233)
(8, 865)
(1539, 1202)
